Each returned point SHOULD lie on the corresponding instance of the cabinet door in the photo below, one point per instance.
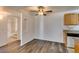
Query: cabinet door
(71, 19)
(77, 45)
(74, 19)
(67, 19)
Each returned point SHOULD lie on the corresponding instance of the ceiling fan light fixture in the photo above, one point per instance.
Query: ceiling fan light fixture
(41, 10)
(40, 13)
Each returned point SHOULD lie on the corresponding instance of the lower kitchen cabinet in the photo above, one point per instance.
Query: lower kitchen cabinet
(76, 45)
(65, 38)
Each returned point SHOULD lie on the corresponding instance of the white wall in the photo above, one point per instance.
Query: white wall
(3, 31)
(53, 26)
(39, 27)
(27, 28)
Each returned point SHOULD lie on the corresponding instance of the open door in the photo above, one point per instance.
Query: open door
(12, 29)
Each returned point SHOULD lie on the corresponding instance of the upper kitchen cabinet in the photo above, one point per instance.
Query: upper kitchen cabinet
(71, 19)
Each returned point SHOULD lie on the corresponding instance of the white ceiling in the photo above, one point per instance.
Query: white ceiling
(54, 8)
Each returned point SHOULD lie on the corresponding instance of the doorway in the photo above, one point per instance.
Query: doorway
(12, 28)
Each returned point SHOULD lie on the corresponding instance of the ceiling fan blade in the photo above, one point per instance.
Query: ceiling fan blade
(33, 10)
(44, 14)
(49, 11)
(36, 14)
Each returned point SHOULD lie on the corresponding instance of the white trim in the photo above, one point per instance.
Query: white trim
(21, 28)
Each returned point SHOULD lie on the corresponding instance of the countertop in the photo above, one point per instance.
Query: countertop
(72, 31)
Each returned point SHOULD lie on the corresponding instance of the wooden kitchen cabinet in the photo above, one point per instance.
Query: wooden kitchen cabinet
(71, 19)
(76, 46)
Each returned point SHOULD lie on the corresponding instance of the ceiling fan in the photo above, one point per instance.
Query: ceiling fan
(41, 10)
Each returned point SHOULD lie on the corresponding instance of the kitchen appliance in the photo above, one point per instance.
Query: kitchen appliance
(70, 42)
(71, 37)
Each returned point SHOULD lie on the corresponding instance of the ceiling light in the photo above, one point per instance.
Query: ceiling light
(1, 17)
(40, 10)
(40, 13)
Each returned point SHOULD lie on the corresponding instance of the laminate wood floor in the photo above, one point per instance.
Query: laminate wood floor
(34, 46)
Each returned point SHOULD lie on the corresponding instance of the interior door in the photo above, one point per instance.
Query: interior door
(12, 28)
